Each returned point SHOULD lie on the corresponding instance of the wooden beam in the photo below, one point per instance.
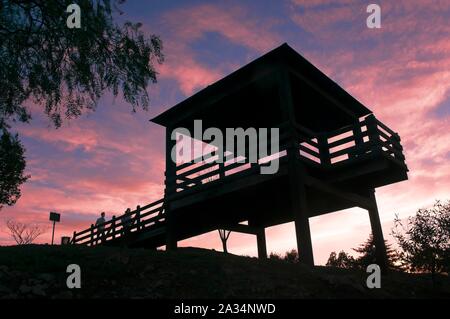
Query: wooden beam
(358, 200)
(324, 93)
(239, 228)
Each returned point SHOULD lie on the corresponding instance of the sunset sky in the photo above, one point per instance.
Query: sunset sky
(113, 159)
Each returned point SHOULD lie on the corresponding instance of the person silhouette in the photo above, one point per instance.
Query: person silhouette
(101, 227)
(126, 222)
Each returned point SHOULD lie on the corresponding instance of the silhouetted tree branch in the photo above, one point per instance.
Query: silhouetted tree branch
(12, 166)
(22, 233)
(65, 71)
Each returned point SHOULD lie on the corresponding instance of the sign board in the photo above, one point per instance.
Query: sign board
(55, 216)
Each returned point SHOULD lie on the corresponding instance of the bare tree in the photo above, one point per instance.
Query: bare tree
(22, 233)
(224, 234)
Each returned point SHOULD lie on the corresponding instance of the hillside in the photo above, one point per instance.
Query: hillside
(39, 271)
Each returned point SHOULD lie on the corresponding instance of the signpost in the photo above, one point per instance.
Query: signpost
(55, 217)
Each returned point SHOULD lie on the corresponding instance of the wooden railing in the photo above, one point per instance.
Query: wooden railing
(366, 138)
(207, 168)
(347, 144)
(145, 217)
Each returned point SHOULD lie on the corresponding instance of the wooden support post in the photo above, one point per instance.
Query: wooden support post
(377, 233)
(221, 170)
(92, 234)
(261, 241)
(296, 174)
(324, 150)
(138, 218)
(374, 136)
(359, 140)
(113, 227)
(397, 139)
(74, 237)
(171, 242)
(300, 208)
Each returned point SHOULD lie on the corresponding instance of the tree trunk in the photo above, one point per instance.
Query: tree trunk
(224, 244)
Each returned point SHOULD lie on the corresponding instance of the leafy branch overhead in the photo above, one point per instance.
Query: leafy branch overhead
(67, 70)
(12, 166)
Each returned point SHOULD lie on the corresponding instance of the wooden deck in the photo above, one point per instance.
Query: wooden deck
(340, 167)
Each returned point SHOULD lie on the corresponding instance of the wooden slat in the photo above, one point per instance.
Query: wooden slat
(384, 127)
(341, 141)
(309, 151)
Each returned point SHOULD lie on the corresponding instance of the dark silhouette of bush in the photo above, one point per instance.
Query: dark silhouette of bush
(367, 256)
(290, 256)
(425, 239)
(341, 260)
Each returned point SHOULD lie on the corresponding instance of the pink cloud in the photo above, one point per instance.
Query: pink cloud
(189, 24)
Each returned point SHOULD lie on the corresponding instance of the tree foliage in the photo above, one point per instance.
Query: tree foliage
(367, 254)
(290, 256)
(65, 71)
(12, 166)
(341, 260)
(425, 239)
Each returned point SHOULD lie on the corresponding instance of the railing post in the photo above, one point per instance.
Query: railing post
(92, 234)
(397, 139)
(74, 237)
(113, 227)
(221, 169)
(359, 140)
(374, 136)
(324, 150)
(138, 218)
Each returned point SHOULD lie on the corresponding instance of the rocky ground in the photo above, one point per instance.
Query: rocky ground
(39, 271)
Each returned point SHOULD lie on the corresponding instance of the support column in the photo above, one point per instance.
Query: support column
(377, 233)
(261, 241)
(301, 220)
(296, 173)
(171, 242)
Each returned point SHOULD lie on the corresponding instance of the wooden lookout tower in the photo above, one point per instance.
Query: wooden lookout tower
(333, 153)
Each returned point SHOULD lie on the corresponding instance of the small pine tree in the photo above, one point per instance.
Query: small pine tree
(368, 256)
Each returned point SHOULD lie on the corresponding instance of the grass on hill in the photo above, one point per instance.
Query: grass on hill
(39, 271)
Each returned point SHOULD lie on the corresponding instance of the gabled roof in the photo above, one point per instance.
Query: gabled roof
(284, 54)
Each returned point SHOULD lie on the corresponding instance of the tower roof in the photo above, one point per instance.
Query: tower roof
(282, 56)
